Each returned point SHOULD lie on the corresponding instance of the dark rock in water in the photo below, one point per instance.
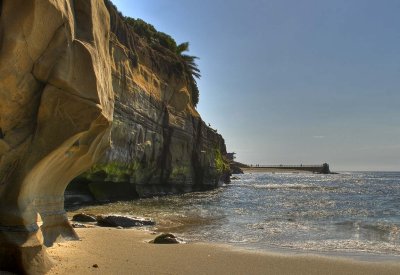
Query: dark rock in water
(236, 167)
(235, 178)
(83, 218)
(123, 221)
(166, 238)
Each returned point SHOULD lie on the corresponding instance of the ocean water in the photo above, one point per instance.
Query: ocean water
(356, 213)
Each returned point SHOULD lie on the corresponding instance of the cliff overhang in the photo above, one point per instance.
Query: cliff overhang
(69, 85)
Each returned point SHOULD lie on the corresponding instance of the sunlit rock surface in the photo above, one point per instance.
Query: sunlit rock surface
(63, 63)
(160, 145)
(56, 107)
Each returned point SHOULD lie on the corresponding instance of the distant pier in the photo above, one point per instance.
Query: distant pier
(317, 168)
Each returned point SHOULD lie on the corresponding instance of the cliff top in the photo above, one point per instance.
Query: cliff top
(156, 52)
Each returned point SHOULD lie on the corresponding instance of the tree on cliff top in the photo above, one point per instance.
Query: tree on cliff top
(150, 34)
(189, 60)
(191, 67)
(184, 47)
(155, 38)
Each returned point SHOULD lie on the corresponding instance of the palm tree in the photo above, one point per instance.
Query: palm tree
(184, 47)
(190, 63)
(191, 68)
(189, 60)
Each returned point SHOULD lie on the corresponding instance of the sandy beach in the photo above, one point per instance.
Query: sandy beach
(125, 251)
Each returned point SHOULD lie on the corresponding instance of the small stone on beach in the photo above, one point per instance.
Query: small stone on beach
(166, 238)
(78, 225)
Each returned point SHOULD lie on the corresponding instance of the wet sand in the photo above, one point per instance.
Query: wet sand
(125, 251)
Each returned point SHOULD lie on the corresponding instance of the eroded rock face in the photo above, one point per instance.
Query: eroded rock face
(56, 107)
(62, 63)
(160, 145)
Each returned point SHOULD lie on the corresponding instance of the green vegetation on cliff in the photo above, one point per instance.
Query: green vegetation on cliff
(156, 39)
(118, 172)
(150, 34)
(221, 163)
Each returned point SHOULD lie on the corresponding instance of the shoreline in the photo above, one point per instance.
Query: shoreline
(127, 251)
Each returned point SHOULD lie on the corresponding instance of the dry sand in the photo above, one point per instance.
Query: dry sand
(125, 251)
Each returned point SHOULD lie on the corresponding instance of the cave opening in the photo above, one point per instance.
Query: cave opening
(96, 189)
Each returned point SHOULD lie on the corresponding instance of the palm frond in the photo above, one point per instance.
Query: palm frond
(184, 47)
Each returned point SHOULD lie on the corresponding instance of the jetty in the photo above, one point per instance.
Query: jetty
(316, 168)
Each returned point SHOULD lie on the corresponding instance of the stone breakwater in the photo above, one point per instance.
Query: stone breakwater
(74, 76)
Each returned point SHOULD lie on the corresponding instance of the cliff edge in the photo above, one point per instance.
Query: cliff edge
(160, 145)
(74, 75)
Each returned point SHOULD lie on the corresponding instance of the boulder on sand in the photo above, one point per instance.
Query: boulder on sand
(82, 217)
(123, 221)
(166, 238)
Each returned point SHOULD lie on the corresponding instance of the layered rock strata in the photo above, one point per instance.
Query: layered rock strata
(63, 63)
(160, 145)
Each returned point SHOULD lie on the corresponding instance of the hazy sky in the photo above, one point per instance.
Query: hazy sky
(293, 82)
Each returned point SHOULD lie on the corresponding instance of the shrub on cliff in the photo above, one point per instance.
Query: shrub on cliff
(195, 94)
(221, 163)
(155, 39)
(150, 34)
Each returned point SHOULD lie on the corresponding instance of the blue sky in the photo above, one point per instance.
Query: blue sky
(288, 81)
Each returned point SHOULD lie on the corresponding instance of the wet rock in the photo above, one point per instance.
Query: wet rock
(122, 221)
(82, 217)
(78, 225)
(236, 167)
(166, 238)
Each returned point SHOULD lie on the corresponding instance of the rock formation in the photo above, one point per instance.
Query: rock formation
(160, 145)
(62, 65)
(56, 107)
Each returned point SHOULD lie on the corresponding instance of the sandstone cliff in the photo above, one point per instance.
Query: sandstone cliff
(63, 63)
(160, 145)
